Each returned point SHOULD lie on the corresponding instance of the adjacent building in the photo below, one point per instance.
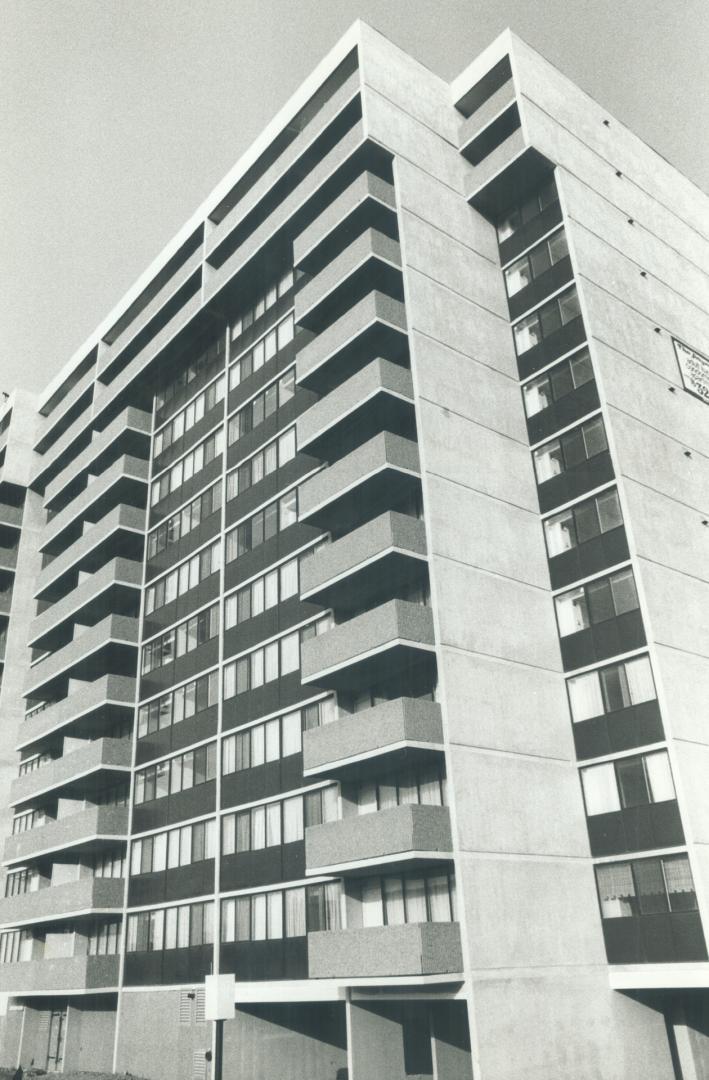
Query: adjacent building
(353, 609)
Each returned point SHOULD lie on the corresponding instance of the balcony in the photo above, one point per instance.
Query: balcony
(381, 469)
(486, 113)
(8, 558)
(78, 659)
(63, 975)
(88, 896)
(504, 175)
(347, 155)
(111, 352)
(11, 515)
(353, 571)
(5, 602)
(133, 425)
(385, 952)
(57, 418)
(128, 472)
(101, 755)
(368, 198)
(84, 704)
(84, 830)
(89, 551)
(371, 261)
(293, 159)
(391, 733)
(408, 836)
(382, 393)
(88, 599)
(375, 326)
(370, 647)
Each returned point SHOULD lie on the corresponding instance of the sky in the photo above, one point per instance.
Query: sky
(118, 117)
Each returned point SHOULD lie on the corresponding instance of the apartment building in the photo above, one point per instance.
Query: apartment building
(353, 590)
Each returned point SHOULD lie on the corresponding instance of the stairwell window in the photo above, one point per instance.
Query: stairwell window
(599, 600)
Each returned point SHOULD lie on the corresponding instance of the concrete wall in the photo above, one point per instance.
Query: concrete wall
(291, 1042)
(151, 1040)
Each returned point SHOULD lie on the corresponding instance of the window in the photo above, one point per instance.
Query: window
(536, 262)
(262, 526)
(279, 822)
(19, 882)
(400, 899)
(263, 593)
(271, 740)
(627, 782)
(582, 522)
(282, 913)
(189, 416)
(180, 704)
(16, 946)
(207, 363)
(646, 887)
(527, 211)
(177, 774)
(183, 578)
(599, 600)
(272, 661)
(175, 847)
(182, 639)
(185, 520)
(576, 446)
(266, 300)
(186, 467)
(273, 456)
(549, 318)
(425, 786)
(103, 938)
(541, 392)
(31, 819)
(264, 350)
(109, 864)
(265, 404)
(611, 688)
(186, 926)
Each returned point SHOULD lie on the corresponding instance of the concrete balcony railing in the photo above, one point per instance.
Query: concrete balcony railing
(369, 646)
(106, 395)
(289, 158)
(370, 463)
(108, 692)
(110, 755)
(114, 629)
(376, 314)
(376, 550)
(384, 952)
(360, 843)
(11, 515)
(110, 353)
(380, 378)
(123, 518)
(8, 558)
(366, 189)
(5, 602)
(58, 415)
(83, 828)
(407, 725)
(125, 469)
(132, 420)
(84, 897)
(496, 104)
(511, 148)
(127, 572)
(371, 249)
(337, 158)
(64, 975)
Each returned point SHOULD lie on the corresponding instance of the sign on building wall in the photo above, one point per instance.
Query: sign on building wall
(694, 369)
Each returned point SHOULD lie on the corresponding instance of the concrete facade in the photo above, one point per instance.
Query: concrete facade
(354, 589)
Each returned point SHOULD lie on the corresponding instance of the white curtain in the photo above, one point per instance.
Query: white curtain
(295, 912)
(659, 776)
(372, 910)
(640, 681)
(275, 914)
(585, 696)
(572, 612)
(559, 532)
(600, 789)
(615, 889)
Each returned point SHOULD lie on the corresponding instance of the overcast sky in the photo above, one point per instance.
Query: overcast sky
(117, 117)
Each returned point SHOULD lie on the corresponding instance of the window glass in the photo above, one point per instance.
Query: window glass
(659, 776)
(650, 885)
(537, 395)
(609, 513)
(641, 686)
(572, 612)
(569, 306)
(585, 697)
(680, 885)
(548, 461)
(559, 532)
(625, 597)
(527, 334)
(518, 275)
(581, 368)
(631, 781)
(615, 688)
(616, 890)
(600, 600)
